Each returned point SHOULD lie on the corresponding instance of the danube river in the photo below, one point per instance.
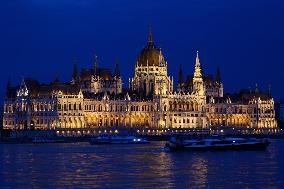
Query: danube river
(81, 165)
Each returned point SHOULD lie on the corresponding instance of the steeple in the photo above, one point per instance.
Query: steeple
(117, 70)
(218, 75)
(180, 81)
(197, 71)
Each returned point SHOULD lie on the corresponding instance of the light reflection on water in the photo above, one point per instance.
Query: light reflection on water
(137, 166)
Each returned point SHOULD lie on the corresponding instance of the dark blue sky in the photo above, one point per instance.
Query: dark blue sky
(39, 38)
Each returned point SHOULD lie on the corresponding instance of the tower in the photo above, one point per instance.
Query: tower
(198, 85)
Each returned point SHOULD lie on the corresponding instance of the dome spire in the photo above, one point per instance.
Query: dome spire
(150, 37)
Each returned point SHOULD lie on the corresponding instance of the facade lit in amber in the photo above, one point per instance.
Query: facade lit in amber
(96, 98)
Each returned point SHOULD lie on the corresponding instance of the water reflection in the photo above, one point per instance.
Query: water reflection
(199, 171)
(137, 166)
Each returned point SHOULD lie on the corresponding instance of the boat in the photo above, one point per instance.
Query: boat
(118, 140)
(216, 144)
(39, 140)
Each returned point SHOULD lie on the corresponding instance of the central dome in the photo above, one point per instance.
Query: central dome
(150, 55)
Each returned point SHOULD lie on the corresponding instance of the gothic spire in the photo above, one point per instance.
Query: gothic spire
(218, 75)
(197, 71)
(198, 85)
(117, 70)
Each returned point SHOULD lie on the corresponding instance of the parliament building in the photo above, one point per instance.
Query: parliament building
(96, 98)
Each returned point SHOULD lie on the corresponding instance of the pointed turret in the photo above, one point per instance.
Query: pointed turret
(218, 76)
(117, 70)
(197, 70)
(198, 85)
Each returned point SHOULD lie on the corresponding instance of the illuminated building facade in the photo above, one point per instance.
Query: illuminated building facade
(95, 98)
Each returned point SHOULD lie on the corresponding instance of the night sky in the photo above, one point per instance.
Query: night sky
(40, 38)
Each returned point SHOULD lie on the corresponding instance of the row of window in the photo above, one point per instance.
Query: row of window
(118, 108)
(145, 69)
(66, 107)
(184, 121)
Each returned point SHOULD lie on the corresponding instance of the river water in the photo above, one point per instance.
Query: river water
(81, 165)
